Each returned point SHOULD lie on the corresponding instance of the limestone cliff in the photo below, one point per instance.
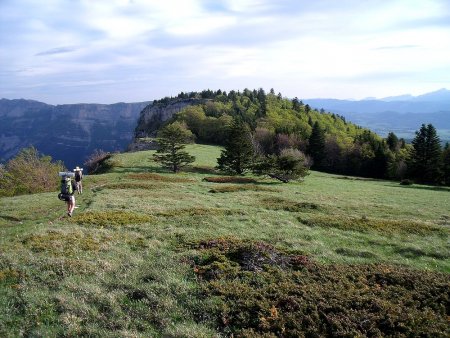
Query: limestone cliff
(67, 132)
(153, 117)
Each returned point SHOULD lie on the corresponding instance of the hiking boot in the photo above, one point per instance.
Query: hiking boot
(69, 214)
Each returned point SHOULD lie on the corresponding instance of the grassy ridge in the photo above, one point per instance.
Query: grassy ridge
(127, 263)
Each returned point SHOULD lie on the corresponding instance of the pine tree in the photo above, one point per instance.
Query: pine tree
(425, 164)
(261, 95)
(296, 104)
(172, 140)
(446, 164)
(316, 147)
(392, 141)
(237, 156)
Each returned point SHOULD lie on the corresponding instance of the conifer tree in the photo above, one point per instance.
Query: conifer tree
(296, 104)
(237, 156)
(261, 95)
(446, 164)
(316, 147)
(172, 140)
(392, 141)
(425, 164)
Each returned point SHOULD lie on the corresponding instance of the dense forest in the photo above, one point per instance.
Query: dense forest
(332, 144)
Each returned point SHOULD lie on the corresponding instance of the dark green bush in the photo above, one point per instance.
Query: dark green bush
(406, 182)
(240, 187)
(100, 162)
(260, 291)
(229, 179)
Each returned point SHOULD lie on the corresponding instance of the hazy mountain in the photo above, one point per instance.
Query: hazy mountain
(67, 132)
(402, 114)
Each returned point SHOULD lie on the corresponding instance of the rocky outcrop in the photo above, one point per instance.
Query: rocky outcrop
(153, 116)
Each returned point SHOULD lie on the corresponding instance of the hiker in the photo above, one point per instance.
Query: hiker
(78, 177)
(68, 188)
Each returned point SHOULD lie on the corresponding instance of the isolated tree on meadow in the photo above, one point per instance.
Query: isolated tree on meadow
(172, 139)
(237, 157)
(425, 164)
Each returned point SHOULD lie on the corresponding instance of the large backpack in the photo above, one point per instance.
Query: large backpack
(66, 186)
(78, 176)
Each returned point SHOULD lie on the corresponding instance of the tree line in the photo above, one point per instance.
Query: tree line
(277, 125)
(266, 134)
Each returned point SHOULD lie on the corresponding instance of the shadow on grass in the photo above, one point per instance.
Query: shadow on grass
(141, 169)
(277, 203)
(240, 187)
(413, 253)
(422, 187)
(239, 180)
(203, 170)
(355, 253)
(10, 218)
(366, 179)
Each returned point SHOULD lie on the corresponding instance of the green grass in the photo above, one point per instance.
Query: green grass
(125, 264)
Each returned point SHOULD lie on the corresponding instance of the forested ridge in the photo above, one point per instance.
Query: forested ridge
(333, 144)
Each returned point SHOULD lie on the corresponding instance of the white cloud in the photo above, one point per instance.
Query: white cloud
(323, 48)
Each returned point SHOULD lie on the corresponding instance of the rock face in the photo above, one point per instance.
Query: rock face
(68, 132)
(153, 117)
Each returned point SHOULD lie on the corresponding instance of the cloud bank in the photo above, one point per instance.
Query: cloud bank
(106, 51)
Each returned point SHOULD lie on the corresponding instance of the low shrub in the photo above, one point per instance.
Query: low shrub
(229, 179)
(277, 203)
(100, 162)
(385, 226)
(160, 178)
(406, 182)
(196, 211)
(127, 185)
(56, 243)
(29, 173)
(9, 277)
(110, 218)
(260, 291)
(237, 188)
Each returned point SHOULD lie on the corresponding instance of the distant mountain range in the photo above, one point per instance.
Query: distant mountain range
(401, 114)
(68, 132)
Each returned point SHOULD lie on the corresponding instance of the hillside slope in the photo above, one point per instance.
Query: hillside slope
(402, 115)
(149, 253)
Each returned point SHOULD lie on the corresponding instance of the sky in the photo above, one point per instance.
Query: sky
(107, 51)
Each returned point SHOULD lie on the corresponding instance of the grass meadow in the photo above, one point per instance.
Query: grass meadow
(150, 253)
